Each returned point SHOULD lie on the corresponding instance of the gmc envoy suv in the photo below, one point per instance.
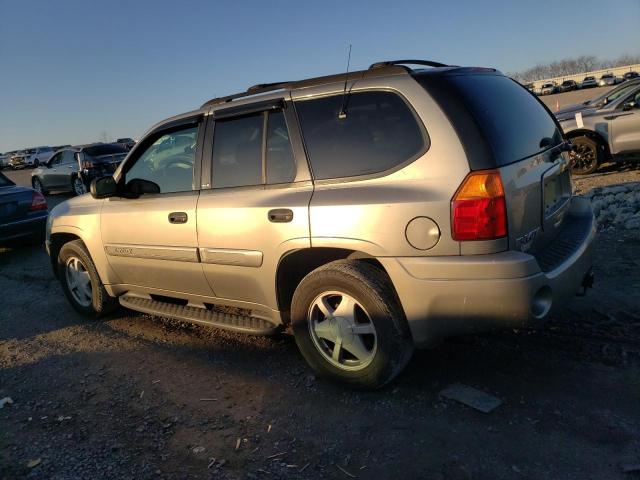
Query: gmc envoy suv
(371, 212)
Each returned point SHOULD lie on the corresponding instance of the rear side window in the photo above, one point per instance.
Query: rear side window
(379, 132)
(513, 122)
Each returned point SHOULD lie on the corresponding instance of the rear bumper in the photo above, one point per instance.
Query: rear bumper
(446, 296)
(31, 227)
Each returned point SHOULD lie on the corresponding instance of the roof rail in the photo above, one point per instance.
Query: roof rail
(427, 63)
(253, 90)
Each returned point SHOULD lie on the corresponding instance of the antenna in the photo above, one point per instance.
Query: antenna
(343, 109)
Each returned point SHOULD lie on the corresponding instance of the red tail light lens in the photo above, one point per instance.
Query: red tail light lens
(478, 209)
(38, 202)
(86, 165)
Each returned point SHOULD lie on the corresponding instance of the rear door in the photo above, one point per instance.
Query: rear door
(254, 206)
(50, 170)
(61, 176)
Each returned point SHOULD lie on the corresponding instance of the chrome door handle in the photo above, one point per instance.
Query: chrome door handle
(178, 217)
(280, 215)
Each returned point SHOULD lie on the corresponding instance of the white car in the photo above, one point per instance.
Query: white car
(32, 157)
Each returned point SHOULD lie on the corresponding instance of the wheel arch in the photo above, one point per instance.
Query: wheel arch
(295, 265)
(593, 135)
(56, 242)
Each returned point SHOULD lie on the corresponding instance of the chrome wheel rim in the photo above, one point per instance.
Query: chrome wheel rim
(342, 331)
(78, 186)
(78, 281)
(583, 157)
(37, 186)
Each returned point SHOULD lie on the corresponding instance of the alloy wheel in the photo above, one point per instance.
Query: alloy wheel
(342, 331)
(583, 158)
(78, 186)
(78, 281)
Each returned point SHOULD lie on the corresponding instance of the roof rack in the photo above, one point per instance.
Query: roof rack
(427, 63)
(253, 90)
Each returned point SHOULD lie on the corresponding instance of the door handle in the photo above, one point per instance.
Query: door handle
(280, 215)
(178, 217)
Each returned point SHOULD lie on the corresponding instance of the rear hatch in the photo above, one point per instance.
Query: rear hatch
(502, 126)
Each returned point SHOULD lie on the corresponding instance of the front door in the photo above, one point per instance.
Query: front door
(625, 125)
(257, 208)
(151, 241)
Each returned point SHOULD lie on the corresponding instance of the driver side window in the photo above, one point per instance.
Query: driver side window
(168, 162)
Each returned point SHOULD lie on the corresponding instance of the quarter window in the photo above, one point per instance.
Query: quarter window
(379, 132)
(168, 162)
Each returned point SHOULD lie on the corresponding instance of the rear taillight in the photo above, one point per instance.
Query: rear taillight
(478, 209)
(86, 165)
(38, 202)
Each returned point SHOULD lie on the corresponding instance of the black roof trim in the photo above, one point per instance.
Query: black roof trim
(426, 63)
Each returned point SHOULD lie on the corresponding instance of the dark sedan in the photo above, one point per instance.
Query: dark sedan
(23, 213)
(72, 169)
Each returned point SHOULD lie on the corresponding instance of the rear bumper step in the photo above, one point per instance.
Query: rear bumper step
(200, 316)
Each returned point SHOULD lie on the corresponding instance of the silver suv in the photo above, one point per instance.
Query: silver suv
(373, 212)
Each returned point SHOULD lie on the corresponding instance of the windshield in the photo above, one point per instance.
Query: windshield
(5, 182)
(611, 95)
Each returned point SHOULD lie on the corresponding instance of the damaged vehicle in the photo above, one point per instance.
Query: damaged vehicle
(72, 169)
(372, 213)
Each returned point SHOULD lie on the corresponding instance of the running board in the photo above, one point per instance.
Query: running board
(200, 316)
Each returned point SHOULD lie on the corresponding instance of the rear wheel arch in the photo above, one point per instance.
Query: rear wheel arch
(297, 264)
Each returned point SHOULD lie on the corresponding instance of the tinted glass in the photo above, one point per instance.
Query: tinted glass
(108, 149)
(512, 120)
(55, 160)
(378, 133)
(168, 162)
(68, 157)
(280, 164)
(237, 152)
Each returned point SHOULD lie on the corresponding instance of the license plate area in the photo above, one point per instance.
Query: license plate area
(556, 191)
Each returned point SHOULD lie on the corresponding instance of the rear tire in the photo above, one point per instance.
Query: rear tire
(36, 163)
(77, 186)
(81, 283)
(586, 157)
(349, 325)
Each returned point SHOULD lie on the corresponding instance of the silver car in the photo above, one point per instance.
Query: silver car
(372, 212)
(608, 131)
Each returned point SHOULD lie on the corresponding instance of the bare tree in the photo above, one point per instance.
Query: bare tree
(104, 137)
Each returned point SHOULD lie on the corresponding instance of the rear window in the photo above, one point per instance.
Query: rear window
(513, 122)
(109, 149)
(379, 132)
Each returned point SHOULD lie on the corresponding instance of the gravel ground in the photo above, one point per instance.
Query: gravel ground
(141, 397)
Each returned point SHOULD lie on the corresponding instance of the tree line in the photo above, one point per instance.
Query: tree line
(572, 66)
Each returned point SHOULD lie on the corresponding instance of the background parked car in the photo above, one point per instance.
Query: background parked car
(630, 75)
(72, 169)
(4, 160)
(589, 82)
(548, 89)
(126, 142)
(610, 132)
(23, 213)
(567, 86)
(599, 101)
(31, 157)
(608, 79)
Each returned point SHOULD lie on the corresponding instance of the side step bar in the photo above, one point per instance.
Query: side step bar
(200, 316)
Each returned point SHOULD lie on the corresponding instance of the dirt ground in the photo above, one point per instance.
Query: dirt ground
(141, 397)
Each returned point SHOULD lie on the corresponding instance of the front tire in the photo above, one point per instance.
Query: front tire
(81, 283)
(36, 163)
(586, 157)
(349, 325)
(36, 183)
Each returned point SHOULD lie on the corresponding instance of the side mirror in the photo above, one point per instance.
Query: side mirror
(628, 106)
(104, 187)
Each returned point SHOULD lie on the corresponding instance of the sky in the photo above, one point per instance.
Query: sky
(76, 71)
